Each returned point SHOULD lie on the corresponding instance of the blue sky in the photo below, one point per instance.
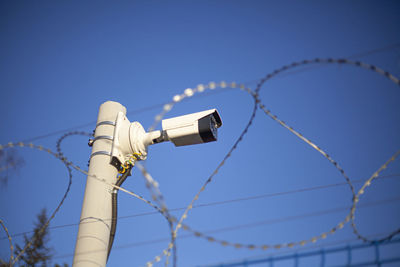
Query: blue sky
(61, 60)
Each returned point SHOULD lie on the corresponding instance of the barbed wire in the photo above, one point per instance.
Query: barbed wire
(355, 196)
(164, 211)
(190, 92)
(68, 164)
(362, 191)
(225, 243)
(268, 112)
(61, 139)
(157, 196)
(282, 123)
(185, 227)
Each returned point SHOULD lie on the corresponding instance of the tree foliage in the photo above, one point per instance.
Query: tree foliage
(9, 159)
(38, 254)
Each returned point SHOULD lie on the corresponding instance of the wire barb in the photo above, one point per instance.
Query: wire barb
(10, 241)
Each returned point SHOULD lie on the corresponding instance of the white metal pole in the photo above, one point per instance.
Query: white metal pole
(94, 228)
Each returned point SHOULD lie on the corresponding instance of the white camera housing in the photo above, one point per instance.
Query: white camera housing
(195, 128)
(131, 138)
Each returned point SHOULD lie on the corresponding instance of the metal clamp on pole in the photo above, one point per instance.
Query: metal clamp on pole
(105, 123)
(100, 153)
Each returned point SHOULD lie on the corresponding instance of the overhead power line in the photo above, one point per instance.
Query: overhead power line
(132, 112)
(160, 105)
(253, 224)
(137, 111)
(216, 203)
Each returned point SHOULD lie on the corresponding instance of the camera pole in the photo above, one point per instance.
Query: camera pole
(116, 138)
(94, 227)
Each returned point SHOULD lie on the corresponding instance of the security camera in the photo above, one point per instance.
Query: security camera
(195, 128)
(131, 138)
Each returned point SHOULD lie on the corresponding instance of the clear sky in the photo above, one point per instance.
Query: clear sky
(59, 60)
